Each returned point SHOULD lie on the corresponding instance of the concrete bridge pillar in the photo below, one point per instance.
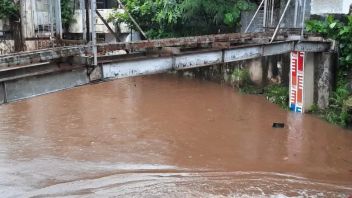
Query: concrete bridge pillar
(324, 80)
(311, 80)
(308, 85)
(27, 18)
(2, 93)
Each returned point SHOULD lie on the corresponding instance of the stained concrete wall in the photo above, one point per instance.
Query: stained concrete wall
(224, 73)
(77, 26)
(38, 85)
(330, 6)
(7, 46)
(256, 70)
(324, 78)
(308, 84)
(2, 93)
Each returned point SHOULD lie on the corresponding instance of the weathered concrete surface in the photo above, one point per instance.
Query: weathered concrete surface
(202, 58)
(308, 82)
(225, 73)
(187, 61)
(233, 54)
(96, 74)
(255, 68)
(330, 6)
(2, 93)
(324, 78)
(137, 67)
(38, 85)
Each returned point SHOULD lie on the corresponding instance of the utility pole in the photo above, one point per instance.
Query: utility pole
(86, 3)
(83, 12)
(58, 21)
(93, 7)
(22, 23)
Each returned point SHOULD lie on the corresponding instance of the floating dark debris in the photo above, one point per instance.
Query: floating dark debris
(278, 125)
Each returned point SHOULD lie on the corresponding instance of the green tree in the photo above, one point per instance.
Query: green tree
(213, 16)
(172, 18)
(9, 9)
(67, 13)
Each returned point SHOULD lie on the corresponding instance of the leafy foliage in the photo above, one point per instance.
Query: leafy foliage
(67, 13)
(241, 75)
(9, 9)
(169, 18)
(277, 94)
(341, 31)
(241, 78)
(337, 112)
(212, 16)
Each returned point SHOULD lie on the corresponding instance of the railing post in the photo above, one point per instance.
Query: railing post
(272, 12)
(93, 6)
(296, 14)
(281, 18)
(84, 27)
(265, 12)
(303, 18)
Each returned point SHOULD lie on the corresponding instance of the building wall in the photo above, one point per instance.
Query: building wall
(6, 46)
(1, 25)
(77, 27)
(330, 6)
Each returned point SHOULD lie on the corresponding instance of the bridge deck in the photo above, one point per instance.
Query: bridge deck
(28, 74)
(208, 41)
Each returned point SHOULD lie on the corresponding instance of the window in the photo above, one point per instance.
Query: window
(106, 4)
(101, 4)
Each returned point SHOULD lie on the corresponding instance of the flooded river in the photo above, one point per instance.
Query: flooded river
(164, 136)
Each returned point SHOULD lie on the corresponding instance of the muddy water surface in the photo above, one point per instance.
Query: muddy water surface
(163, 136)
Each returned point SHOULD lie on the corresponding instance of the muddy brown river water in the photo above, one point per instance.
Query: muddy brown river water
(164, 136)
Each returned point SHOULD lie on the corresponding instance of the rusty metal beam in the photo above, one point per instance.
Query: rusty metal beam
(180, 42)
(210, 41)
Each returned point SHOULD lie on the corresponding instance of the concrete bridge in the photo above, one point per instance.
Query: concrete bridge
(33, 73)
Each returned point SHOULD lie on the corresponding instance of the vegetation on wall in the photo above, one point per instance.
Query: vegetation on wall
(172, 18)
(338, 111)
(277, 94)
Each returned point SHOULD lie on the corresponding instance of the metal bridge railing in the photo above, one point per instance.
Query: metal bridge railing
(293, 13)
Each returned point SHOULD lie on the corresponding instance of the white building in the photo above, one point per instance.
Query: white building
(321, 7)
